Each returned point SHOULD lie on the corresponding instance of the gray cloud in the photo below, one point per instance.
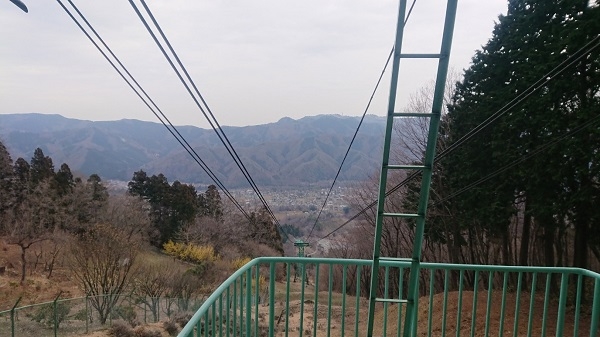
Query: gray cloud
(254, 61)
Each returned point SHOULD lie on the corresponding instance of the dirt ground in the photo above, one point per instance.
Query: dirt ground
(455, 309)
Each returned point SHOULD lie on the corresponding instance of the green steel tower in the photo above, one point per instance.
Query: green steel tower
(425, 169)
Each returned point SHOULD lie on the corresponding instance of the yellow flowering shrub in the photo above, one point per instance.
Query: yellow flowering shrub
(239, 262)
(190, 252)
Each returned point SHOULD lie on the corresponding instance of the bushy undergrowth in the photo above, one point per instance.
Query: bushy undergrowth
(170, 327)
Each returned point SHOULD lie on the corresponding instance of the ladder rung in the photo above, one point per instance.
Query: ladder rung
(391, 300)
(397, 259)
(407, 167)
(401, 215)
(421, 56)
(412, 114)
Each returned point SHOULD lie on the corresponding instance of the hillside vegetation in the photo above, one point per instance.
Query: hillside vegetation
(286, 153)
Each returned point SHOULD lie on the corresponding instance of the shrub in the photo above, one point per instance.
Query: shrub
(170, 327)
(141, 331)
(45, 314)
(240, 262)
(127, 313)
(190, 252)
(120, 329)
(182, 319)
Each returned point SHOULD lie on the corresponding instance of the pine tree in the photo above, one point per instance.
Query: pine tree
(555, 186)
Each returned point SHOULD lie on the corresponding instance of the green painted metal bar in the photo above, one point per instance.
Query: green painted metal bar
(460, 299)
(316, 303)
(12, 316)
(344, 276)
(242, 303)
(271, 299)
(474, 308)
(287, 301)
(329, 302)
(503, 305)
(54, 316)
(578, 305)
(221, 316)
(517, 305)
(385, 161)
(436, 109)
(235, 309)
(445, 303)
(422, 56)
(401, 215)
(228, 305)
(357, 307)
(257, 296)
(546, 301)
(199, 328)
(413, 114)
(562, 304)
(386, 285)
(406, 167)
(302, 291)
(416, 305)
(400, 294)
(214, 321)
(532, 304)
(248, 302)
(391, 300)
(489, 303)
(431, 292)
(205, 324)
(595, 309)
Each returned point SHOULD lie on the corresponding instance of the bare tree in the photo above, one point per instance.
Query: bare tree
(102, 260)
(152, 281)
(29, 220)
(128, 214)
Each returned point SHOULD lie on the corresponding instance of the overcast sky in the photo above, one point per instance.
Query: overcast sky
(254, 61)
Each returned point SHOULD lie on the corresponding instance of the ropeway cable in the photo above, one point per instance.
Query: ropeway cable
(357, 128)
(146, 99)
(212, 120)
(571, 60)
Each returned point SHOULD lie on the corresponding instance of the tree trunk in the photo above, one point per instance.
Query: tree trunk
(525, 236)
(23, 261)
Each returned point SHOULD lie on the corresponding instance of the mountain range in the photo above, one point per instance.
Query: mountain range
(285, 153)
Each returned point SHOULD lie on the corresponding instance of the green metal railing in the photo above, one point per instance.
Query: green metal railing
(331, 299)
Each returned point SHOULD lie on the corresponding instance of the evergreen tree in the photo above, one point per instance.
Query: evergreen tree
(41, 167)
(555, 187)
(212, 203)
(171, 206)
(264, 231)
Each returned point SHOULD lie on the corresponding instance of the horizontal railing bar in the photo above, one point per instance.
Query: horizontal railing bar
(406, 167)
(421, 56)
(391, 300)
(398, 259)
(413, 114)
(401, 215)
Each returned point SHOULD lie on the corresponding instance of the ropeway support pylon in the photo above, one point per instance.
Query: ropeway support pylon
(411, 300)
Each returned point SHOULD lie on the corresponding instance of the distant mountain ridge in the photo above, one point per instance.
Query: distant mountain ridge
(285, 153)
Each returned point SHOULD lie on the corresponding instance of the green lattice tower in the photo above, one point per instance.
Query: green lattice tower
(426, 169)
(300, 245)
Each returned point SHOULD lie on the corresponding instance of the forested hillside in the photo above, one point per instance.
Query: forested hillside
(69, 225)
(286, 153)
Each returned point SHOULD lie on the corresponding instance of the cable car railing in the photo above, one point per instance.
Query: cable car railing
(331, 298)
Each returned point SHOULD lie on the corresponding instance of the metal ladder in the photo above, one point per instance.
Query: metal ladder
(410, 319)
